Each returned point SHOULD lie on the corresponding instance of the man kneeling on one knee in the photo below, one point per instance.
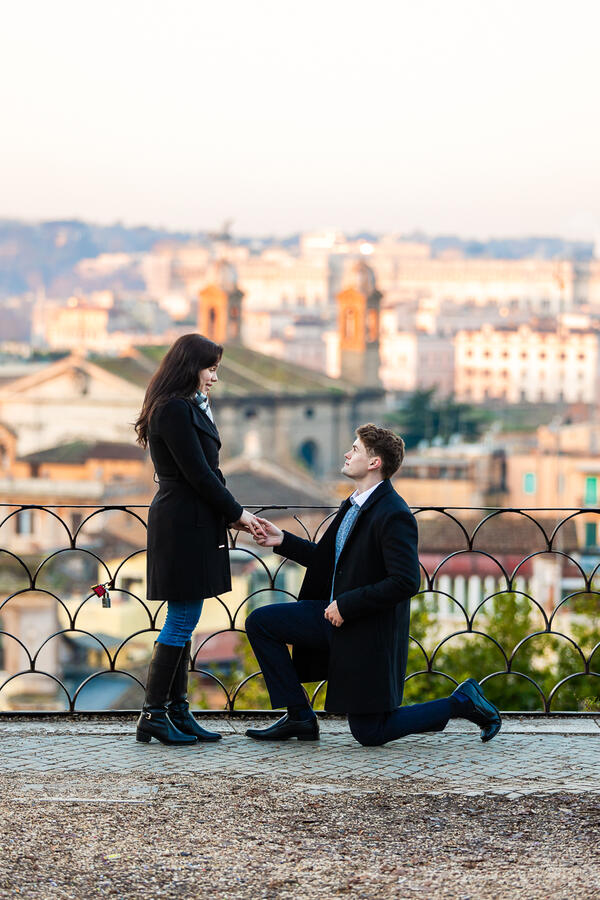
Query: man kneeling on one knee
(351, 622)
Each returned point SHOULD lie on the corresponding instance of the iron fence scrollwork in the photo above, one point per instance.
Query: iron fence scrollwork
(485, 574)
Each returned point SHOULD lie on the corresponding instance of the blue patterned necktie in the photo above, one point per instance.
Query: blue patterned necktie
(201, 400)
(343, 531)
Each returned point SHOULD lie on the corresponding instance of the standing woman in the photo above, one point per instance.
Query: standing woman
(188, 558)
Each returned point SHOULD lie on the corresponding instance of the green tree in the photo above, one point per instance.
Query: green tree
(423, 418)
(581, 693)
(508, 620)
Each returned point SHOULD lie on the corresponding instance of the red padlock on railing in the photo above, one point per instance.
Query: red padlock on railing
(101, 590)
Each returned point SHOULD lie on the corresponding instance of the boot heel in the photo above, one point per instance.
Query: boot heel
(308, 737)
(142, 737)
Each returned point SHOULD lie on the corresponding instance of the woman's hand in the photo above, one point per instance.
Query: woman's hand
(273, 536)
(251, 525)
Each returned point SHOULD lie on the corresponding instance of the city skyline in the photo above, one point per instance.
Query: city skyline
(215, 232)
(473, 119)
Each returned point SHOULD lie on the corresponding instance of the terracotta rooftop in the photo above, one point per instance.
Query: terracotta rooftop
(78, 452)
(505, 533)
(242, 372)
(254, 482)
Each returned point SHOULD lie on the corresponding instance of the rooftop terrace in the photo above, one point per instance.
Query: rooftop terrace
(87, 812)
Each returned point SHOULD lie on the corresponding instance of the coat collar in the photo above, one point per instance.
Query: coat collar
(380, 491)
(202, 421)
(383, 488)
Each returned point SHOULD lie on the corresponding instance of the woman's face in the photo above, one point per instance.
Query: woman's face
(206, 379)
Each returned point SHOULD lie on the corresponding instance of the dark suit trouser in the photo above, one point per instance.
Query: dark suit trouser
(271, 628)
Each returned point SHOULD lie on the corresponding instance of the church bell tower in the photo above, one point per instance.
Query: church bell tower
(220, 306)
(359, 305)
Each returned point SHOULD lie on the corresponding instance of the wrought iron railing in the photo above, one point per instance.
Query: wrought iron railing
(509, 596)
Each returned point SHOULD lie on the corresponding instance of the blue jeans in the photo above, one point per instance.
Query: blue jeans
(179, 625)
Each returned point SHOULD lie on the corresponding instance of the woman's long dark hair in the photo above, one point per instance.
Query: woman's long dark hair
(177, 376)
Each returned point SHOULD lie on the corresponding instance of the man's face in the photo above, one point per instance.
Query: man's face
(357, 461)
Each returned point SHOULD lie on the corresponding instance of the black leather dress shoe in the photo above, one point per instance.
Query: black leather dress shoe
(484, 713)
(285, 728)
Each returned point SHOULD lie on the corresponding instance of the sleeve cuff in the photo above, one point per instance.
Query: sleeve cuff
(281, 549)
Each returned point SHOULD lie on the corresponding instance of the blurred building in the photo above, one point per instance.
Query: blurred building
(77, 325)
(416, 360)
(541, 287)
(282, 411)
(544, 362)
(99, 323)
(103, 265)
(220, 305)
(105, 461)
(72, 399)
(278, 280)
(459, 475)
(290, 297)
(555, 467)
(78, 473)
(308, 276)
(559, 468)
(359, 304)
(587, 285)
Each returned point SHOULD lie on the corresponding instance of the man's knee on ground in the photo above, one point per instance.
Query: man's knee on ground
(367, 733)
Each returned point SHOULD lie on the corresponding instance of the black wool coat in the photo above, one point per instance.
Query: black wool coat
(187, 534)
(377, 574)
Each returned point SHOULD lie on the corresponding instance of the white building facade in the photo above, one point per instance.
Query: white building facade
(526, 365)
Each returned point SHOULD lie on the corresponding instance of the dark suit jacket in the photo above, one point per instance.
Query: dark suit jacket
(187, 519)
(377, 574)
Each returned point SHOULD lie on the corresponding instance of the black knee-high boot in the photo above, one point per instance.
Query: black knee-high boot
(154, 721)
(179, 708)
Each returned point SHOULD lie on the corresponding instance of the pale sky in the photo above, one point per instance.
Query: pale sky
(475, 117)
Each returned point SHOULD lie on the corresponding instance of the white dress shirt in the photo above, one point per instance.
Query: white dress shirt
(361, 498)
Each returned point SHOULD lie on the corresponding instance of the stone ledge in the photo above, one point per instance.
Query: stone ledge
(121, 724)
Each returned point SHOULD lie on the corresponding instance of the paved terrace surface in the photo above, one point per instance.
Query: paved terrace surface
(528, 756)
(86, 811)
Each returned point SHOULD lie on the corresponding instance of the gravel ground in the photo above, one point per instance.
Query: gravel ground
(83, 837)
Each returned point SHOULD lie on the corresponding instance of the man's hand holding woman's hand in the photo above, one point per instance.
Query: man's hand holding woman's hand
(272, 536)
(251, 525)
(264, 532)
